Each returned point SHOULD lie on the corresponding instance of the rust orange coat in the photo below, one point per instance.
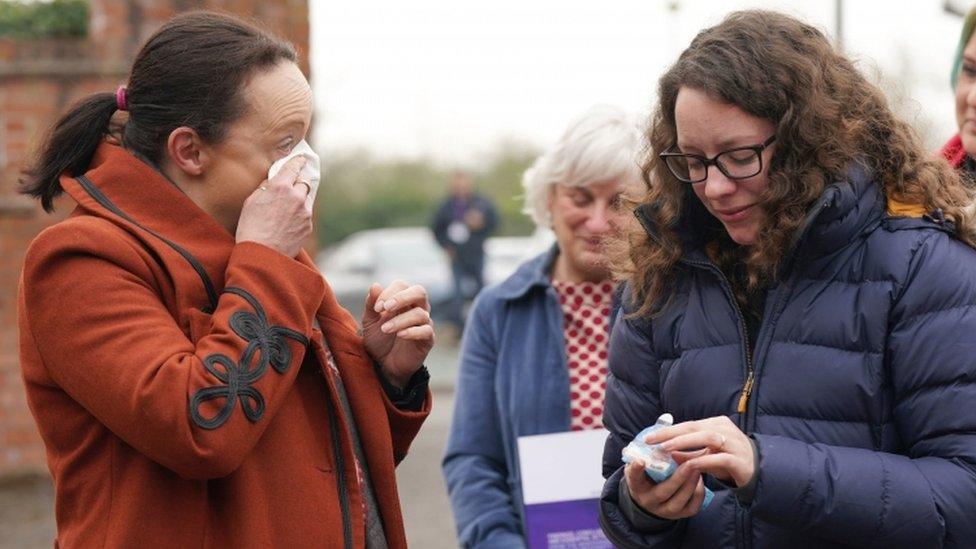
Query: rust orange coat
(179, 381)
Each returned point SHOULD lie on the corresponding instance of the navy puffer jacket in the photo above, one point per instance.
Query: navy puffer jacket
(864, 402)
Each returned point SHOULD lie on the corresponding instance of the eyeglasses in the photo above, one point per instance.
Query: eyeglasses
(737, 163)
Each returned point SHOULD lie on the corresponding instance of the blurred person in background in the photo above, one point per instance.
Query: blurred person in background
(193, 378)
(801, 296)
(960, 151)
(461, 224)
(534, 353)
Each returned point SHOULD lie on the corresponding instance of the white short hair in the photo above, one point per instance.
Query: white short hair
(601, 145)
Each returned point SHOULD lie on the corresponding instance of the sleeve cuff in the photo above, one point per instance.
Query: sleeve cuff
(641, 520)
(745, 494)
(413, 395)
(256, 265)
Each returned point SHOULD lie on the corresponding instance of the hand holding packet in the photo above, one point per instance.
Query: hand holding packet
(311, 172)
(658, 464)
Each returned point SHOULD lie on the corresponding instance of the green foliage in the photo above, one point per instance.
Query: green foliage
(502, 182)
(361, 192)
(39, 19)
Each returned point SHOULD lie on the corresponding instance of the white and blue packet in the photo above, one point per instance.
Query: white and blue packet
(658, 464)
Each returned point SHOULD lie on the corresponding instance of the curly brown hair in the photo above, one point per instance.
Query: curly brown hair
(827, 116)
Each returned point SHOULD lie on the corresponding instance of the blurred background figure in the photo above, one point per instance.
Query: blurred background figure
(961, 149)
(533, 358)
(461, 224)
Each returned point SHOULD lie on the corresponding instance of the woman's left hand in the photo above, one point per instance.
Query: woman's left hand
(714, 445)
(397, 330)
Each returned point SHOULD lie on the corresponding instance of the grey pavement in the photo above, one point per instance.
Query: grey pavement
(423, 495)
(26, 512)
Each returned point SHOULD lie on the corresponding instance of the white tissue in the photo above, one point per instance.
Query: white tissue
(312, 172)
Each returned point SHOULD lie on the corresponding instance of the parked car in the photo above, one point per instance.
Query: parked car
(384, 255)
(412, 254)
(503, 254)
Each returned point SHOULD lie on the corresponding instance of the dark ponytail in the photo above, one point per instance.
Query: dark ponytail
(189, 73)
(69, 147)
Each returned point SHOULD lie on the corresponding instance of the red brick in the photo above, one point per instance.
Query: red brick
(20, 436)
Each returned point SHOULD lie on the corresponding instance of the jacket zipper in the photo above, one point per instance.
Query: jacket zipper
(746, 391)
(786, 288)
(747, 356)
(750, 376)
(750, 382)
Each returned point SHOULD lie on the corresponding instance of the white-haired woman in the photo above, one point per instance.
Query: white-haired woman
(534, 353)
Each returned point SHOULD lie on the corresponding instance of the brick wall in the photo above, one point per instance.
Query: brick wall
(38, 80)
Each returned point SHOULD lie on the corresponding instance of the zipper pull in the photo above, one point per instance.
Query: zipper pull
(746, 391)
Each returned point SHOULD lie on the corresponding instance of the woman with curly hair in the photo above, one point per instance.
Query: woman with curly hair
(801, 297)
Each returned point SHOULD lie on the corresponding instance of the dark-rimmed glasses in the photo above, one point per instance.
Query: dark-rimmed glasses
(737, 163)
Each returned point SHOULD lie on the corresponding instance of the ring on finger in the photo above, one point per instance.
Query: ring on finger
(308, 186)
(722, 443)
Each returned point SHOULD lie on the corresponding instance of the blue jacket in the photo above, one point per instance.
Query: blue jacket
(513, 381)
(864, 402)
(470, 254)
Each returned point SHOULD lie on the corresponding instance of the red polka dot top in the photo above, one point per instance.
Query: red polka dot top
(586, 318)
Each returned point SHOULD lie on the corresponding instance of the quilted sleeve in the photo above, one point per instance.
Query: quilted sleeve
(925, 497)
(632, 397)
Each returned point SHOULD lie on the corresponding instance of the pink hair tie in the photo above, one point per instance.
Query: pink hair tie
(121, 99)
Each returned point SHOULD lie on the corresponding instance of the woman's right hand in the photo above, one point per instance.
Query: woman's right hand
(679, 496)
(278, 213)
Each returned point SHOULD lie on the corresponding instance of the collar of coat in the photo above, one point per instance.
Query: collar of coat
(954, 152)
(844, 210)
(150, 206)
(125, 190)
(531, 274)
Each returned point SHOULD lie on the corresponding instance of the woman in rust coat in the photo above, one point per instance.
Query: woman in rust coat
(193, 378)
